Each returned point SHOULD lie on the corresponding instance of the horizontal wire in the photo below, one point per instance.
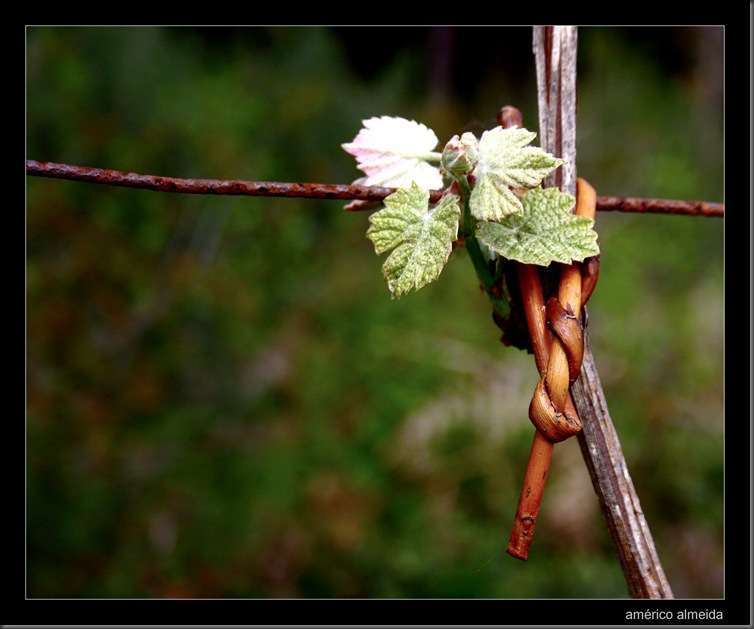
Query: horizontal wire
(322, 191)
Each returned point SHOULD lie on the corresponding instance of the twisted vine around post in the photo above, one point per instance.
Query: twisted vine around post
(558, 345)
(552, 410)
(557, 341)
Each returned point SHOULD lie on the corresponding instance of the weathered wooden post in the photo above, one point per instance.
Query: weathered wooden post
(555, 54)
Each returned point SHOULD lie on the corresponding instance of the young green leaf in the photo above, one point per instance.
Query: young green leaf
(394, 152)
(506, 161)
(421, 238)
(547, 232)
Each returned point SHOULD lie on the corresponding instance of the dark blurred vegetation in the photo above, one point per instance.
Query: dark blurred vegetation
(222, 398)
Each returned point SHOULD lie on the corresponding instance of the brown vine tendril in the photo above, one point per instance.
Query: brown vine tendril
(552, 411)
(558, 345)
(557, 341)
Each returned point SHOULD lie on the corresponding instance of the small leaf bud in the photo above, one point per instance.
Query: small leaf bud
(460, 154)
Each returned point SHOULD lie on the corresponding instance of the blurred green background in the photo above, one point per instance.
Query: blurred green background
(223, 400)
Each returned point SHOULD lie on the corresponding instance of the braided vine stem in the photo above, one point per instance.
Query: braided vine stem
(558, 361)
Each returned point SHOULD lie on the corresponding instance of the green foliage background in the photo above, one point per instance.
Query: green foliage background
(223, 400)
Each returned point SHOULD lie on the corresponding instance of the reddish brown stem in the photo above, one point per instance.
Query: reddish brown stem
(545, 349)
(534, 306)
(533, 488)
(531, 497)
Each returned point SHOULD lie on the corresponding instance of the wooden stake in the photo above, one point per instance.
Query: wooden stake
(600, 446)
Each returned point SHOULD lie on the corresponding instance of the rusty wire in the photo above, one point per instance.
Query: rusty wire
(320, 190)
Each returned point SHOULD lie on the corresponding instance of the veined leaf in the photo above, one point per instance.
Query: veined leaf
(506, 161)
(493, 200)
(547, 232)
(393, 152)
(421, 238)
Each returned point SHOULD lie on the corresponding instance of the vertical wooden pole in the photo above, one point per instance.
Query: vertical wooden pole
(619, 502)
(555, 56)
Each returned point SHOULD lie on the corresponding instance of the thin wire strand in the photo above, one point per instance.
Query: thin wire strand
(323, 191)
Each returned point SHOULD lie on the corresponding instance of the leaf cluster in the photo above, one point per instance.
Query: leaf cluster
(495, 196)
